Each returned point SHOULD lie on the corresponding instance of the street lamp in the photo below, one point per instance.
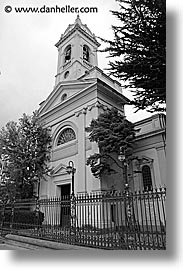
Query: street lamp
(37, 181)
(123, 160)
(128, 198)
(71, 170)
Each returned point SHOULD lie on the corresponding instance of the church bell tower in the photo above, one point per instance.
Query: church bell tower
(77, 52)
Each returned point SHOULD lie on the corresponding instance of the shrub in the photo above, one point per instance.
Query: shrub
(22, 218)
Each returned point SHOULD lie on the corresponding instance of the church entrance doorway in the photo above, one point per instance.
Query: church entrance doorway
(65, 190)
(65, 205)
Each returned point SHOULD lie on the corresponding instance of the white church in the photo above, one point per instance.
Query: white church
(81, 92)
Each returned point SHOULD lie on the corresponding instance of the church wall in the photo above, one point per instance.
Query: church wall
(153, 148)
(76, 150)
(114, 181)
(149, 145)
(82, 148)
(157, 166)
(66, 151)
(162, 164)
(109, 99)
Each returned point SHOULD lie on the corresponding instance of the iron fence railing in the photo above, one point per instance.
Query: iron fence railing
(134, 221)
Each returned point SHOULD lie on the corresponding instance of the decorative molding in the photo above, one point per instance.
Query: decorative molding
(82, 111)
(61, 182)
(89, 108)
(85, 110)
(160, 147)
(78, 113)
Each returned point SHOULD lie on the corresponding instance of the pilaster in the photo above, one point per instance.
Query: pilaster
(82, 184)
(161, 164)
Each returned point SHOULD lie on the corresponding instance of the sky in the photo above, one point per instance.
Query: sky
(28, 57)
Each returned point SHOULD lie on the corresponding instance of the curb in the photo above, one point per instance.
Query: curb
(1, 240)
(44, 243)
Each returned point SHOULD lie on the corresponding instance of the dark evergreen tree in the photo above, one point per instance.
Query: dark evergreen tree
(138, 51)
(25, 148)
(111, 131)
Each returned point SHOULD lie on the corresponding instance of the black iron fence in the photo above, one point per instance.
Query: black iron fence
(135, 221)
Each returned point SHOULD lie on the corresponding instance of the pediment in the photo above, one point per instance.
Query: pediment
(144, 160)
(62, 93)
(59, 169)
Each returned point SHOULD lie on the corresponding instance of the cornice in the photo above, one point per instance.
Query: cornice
(113, 92)
(150, 134)
(148, 119)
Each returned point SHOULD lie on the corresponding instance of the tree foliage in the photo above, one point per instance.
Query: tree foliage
(24, 151)
(111, 131)
(138, 51)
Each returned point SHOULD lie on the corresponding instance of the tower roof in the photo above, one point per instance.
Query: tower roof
(78, 22)
(80, 26)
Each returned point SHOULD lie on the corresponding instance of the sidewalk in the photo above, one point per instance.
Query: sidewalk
(31, 243)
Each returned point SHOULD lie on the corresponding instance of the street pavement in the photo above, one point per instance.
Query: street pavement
(8, 245)
(4, 246)
(15, 242)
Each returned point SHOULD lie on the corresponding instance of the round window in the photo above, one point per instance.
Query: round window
(63, 97)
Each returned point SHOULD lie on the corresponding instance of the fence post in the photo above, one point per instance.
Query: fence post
(37, 215)
(73, 215)
(2, 217)
(130, 219)
(12, 215)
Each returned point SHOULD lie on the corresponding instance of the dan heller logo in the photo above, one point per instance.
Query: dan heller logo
(8, 9)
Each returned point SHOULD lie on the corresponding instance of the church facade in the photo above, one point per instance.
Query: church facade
(82, 91)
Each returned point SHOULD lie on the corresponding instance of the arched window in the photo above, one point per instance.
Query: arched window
(147, 179)
(86, 53)
(68, 53)
(65, 136)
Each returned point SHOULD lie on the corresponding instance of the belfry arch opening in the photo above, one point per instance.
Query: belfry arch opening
(67, 56)
(86, 53)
